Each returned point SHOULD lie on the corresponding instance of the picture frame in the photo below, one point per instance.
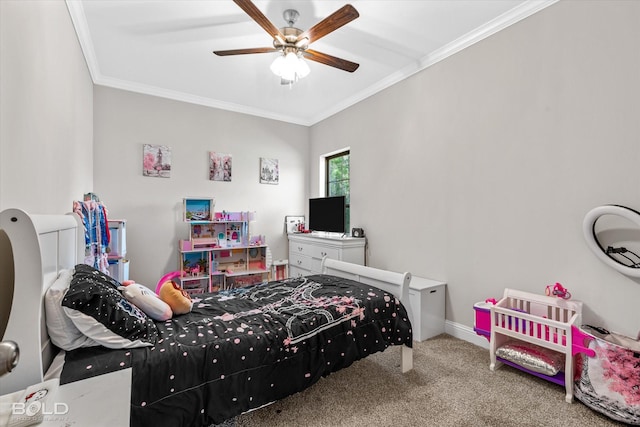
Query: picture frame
(156, 161)
(198, 209)
(293, 223)
(269, 171)
(220, 166)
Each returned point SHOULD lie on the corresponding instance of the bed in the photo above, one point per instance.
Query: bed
(236, 351)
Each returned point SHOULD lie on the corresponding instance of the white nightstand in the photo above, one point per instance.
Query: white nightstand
(99, 401)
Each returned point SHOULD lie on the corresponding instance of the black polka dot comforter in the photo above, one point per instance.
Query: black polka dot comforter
(243, 348)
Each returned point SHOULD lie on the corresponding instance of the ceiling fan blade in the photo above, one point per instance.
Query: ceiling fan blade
(245, 51)
(259, 17)
(337, 19)
(332, 61)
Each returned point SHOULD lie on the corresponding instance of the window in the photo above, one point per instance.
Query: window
(337, 180)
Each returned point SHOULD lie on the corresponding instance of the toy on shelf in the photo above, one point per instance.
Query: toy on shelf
(558, 290)
(198, 209)
(195, 263)
(280, 269)
(482, 320)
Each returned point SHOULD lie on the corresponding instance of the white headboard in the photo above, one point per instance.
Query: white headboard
(41, 246)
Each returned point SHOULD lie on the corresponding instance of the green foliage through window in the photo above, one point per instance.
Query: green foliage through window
(337, 175)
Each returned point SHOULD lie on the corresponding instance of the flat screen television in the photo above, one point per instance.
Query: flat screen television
(327, 214)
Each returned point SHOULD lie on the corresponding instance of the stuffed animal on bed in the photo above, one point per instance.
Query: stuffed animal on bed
(146, 300)
(179, 301)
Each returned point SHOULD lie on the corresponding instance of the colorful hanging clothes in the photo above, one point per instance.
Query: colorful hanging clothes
(96, 233)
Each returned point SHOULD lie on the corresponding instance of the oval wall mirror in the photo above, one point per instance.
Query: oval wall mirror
(612, 232)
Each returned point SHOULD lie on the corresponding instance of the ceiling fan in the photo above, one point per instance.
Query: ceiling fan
(294, 43)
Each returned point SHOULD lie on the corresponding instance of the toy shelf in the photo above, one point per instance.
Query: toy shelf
(246, 272)
(225, 249)
(195, 285)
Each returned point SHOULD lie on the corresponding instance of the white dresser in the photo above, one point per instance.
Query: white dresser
(307, 250)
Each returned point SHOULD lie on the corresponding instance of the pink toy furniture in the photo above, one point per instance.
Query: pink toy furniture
(482, 324)
(549, 322)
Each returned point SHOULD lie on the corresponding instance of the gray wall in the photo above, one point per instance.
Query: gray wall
(46, 109)
(46, 118)
(124, 121)
(479, 170)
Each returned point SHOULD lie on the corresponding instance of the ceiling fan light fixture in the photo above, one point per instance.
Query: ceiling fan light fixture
(303, 68)
(278, 65)
(290, 66)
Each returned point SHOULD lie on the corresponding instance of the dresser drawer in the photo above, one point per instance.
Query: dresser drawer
(320, 252)
(314, 250)
(300, 261)
(299, 248)
(306, 252)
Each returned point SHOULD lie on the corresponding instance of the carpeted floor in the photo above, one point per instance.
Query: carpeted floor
(450, 385)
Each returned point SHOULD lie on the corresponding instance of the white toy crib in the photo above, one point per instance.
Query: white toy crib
(549, 322)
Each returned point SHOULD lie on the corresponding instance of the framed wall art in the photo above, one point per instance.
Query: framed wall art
(219, 166)
(269, 172)
(156, 161)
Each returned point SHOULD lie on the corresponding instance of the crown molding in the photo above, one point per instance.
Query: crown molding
(507, 19)
(197, 100)
(79, 20)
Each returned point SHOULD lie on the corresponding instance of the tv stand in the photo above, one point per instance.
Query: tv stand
(306, 251)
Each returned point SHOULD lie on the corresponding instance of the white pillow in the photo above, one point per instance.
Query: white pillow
(62, 331)
(99, 311)
(146, 300)
(102, 335)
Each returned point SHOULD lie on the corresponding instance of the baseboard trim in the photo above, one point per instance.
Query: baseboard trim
(465, 333)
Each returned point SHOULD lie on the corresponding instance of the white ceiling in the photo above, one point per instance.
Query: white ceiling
(164, 48)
